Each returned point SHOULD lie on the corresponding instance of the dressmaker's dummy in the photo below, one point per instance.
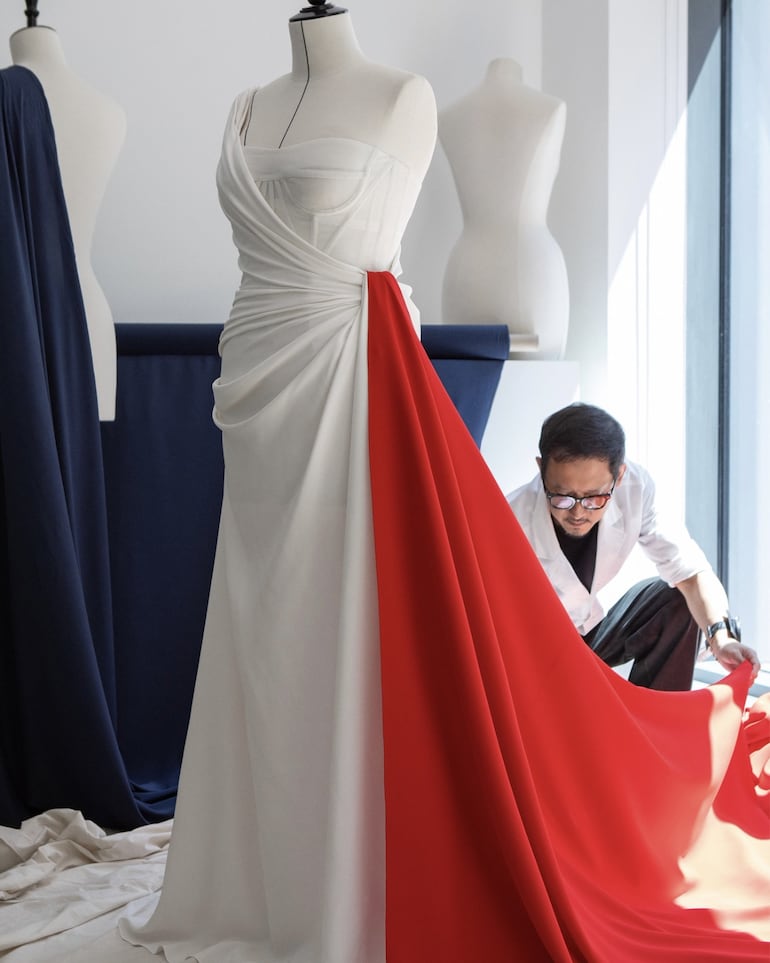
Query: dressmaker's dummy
(334, 91)
(503, 142)
(90, 130)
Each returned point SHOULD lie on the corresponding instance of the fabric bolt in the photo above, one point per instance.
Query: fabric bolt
(400, 748)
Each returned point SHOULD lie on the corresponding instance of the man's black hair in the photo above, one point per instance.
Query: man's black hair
(582, 431)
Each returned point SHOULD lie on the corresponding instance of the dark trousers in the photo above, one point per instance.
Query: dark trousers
(652, 625)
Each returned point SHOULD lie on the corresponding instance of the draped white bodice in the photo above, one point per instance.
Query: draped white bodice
(332, 193)
(308, 221)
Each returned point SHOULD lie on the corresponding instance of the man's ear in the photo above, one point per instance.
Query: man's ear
(539, 461)
(621, 473)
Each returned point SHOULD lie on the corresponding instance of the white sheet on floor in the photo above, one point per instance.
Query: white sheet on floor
(64, 881)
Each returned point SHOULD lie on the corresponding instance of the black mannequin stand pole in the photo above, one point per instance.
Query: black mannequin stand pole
(31, 12)
(317, 8)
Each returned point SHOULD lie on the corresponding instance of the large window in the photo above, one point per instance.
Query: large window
(704, 371)
(747, 503)
(728, 299)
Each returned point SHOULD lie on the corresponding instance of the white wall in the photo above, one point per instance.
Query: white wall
(575, 68)
(619, 202)
(163, 250)
(646, 248)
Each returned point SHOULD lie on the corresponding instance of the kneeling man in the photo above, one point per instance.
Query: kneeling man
(583, 514)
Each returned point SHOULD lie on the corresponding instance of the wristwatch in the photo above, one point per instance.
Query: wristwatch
(733, 627)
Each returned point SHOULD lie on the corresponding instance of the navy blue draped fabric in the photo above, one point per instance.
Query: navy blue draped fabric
(107, 534)
(163, 470)
(58, 744)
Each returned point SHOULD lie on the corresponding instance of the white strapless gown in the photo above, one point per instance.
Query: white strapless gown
(280, 818)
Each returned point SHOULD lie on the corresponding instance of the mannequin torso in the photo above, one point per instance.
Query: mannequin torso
(334, 91)
(503, 142)
(90, 130)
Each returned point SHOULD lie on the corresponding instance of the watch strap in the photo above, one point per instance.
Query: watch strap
(732, 626)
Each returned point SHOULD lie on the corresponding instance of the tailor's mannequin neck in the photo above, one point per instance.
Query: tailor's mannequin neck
(333, 90)
(323, 46)
(503, 70)
(37, 44)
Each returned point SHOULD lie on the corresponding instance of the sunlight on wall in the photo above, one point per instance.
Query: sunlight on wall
(646, 329)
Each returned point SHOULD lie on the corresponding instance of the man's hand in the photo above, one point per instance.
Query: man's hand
(731, 654)
(707, 602)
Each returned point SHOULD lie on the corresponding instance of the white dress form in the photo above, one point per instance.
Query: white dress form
(90, 130)
(503, 142)
(334, 91)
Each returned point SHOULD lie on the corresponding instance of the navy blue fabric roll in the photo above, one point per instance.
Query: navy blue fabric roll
(469, 360)
(58, 744)
(482, 342)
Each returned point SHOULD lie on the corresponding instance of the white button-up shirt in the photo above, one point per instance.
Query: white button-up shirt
(630, 518)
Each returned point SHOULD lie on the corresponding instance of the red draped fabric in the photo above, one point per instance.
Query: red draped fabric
(538, 806)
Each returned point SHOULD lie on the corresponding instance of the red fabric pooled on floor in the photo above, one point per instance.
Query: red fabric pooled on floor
(538, 806)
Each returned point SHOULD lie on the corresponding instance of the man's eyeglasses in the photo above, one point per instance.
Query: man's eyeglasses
(591, 503)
